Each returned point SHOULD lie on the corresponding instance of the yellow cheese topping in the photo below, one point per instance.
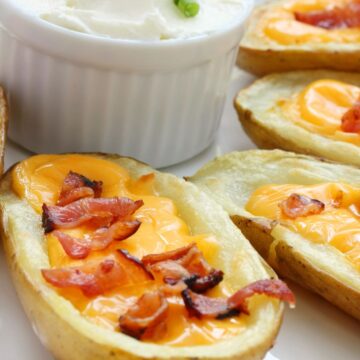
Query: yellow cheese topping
(280, 26)
(338, 225)
(320, 107)
(39, 180)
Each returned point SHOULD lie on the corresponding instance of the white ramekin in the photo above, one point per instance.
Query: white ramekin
(160, 102)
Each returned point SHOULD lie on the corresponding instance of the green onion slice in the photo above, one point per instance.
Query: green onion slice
(189, 8)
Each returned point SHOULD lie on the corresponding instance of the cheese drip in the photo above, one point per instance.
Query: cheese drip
(279, 25)
(39, 180)
(320, 107)
(338, 225)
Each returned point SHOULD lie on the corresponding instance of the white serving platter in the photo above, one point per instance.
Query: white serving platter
(315, 330)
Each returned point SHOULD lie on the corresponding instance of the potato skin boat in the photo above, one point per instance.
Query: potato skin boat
(260, 56)
(69, 336)
(232, 178)
(264, 122)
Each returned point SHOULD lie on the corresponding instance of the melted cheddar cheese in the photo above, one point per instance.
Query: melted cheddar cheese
(320, 107)
(279, 24)
(39, 180)
(338, 225)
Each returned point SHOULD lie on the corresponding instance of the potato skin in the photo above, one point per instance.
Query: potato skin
(270, 60)
(291, 264)
(70, 340)
(4, 118)
(232, 178)
(261, 57)
(263, 121)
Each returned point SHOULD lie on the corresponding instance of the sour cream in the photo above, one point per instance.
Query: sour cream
(136, 19)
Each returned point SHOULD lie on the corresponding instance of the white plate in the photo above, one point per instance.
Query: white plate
(315, 330)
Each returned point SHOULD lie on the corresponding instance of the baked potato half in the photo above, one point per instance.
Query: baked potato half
(261, 111)
(275, 42)
(71, 336)
(4, 114)
(232, 178)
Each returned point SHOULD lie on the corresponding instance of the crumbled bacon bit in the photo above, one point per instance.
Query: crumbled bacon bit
(134, 261)
(170, 255)
(76, 187)
(273, 288)
(100, 240)
(184, 264)
(201, 284)
(301, 205)
(149, 312)
(119, 231)
(350, 122)
(338, 17)
(218, 308)
(99, 211)
(73, 247)
(201, 306)
(92, 279)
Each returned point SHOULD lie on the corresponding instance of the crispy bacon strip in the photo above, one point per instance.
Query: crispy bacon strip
(76, 187)
(103, 211)
(185, 264)
(75, 248)
(119, 231)
(92, 279)
(170, 255)
(350, 122)
(149, 312)
(135, 262)
(101, 239)
(273, 288)
(347, 16)
(201, 306)
(201, 284)
(217, 308)
(300, 205)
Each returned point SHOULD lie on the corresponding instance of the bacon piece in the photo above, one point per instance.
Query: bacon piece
(170, 255)
(92, 279)
(201, 284)
(301, 205)
(189, 257)
(350, 122)
(100, 240)
(101, 211)
(145, 316)
(184, 264)
(347, 16)
(137, 263)
(75, 248)
(202, 306)
(76, 187)
(217, 308)
(170, 270)
(119, 231)
(273, 288)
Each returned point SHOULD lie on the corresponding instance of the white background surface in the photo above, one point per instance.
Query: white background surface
(315, 330)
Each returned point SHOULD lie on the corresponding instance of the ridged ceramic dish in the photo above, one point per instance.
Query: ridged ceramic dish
(160, 102)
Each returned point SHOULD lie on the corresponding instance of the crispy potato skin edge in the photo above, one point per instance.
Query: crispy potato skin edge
(4, 119)
(260, 58)
(293, 265)
(65, 342)
(262, 62)
(264, 138)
